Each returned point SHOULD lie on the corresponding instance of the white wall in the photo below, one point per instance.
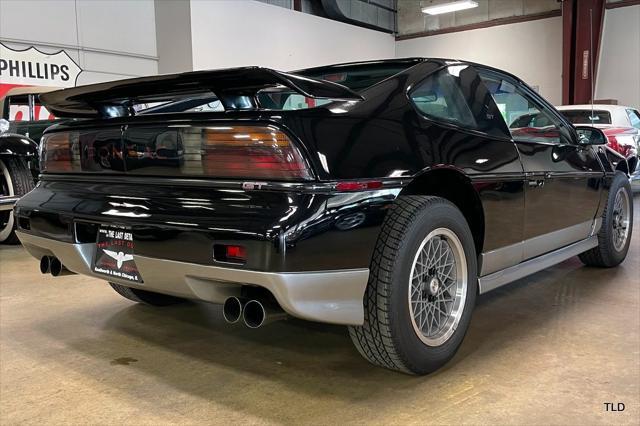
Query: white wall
(231, 33)
(619, 66)
(109, 39)
(531, 50)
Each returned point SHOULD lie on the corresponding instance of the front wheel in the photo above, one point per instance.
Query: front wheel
(614, 236)
(422, 287)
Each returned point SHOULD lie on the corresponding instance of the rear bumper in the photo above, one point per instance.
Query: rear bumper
(325, 296)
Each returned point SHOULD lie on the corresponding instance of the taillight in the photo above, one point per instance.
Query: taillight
(254, 152)
(251, 152)
(59, 153)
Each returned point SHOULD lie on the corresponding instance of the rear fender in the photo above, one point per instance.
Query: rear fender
(13, 144)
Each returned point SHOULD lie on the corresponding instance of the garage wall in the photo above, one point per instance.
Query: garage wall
(238, 33)
(619, 66)
(531, 50)
(109, 39)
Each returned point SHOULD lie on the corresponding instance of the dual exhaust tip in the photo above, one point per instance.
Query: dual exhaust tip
(253, 313)
(52, 265)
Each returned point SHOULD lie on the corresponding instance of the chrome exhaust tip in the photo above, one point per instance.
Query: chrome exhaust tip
(45, 264)
(256, 314)
(57, 268)
(232, 309)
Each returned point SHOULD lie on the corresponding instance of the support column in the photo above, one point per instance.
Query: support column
(582, 22)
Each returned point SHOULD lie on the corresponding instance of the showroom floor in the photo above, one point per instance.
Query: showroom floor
(552, 348)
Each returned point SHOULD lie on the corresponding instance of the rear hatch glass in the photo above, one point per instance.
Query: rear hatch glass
(586, 116)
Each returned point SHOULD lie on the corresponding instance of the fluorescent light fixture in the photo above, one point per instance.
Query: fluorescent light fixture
(452, 6)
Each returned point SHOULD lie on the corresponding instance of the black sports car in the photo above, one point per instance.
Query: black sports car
(380, 195)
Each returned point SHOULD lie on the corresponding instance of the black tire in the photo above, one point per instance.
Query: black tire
(605, 254)
(15, 179)
(387, 338)
(146, 297)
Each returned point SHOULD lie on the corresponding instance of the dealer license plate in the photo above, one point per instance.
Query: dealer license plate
(114, 254)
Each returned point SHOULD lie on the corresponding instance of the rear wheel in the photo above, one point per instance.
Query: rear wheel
(146, 297)
(422, 287)
(15, 179)
(614, 236)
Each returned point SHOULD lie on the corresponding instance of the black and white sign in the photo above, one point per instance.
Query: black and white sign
(31, 67)
(114, 254)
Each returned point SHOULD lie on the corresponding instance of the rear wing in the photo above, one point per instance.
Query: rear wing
(234, 87)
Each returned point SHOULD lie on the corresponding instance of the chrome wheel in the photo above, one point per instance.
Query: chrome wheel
(620, 219)
(437, 287)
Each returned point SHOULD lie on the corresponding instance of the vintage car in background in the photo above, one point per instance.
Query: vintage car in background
(22, 122)
(382, 195)
(21, 107)
(17, 156)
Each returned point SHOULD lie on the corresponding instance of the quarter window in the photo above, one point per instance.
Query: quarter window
(439, 97)
(527, 119)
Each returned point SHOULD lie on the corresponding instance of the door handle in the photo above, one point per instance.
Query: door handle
(536, 183)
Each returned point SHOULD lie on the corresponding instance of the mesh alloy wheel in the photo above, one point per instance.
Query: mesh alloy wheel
(437, 287)
(621, 217)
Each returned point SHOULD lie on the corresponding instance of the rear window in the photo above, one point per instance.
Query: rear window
(586, 116)
(356, 78)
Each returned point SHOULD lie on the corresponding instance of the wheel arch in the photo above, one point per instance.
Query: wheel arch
(453, 185)
(623, 166)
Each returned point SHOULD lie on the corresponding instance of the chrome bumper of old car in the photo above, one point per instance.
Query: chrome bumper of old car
(325, 296)
(8, 201)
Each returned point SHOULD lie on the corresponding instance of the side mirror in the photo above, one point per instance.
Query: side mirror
(590, 136)
(4, 125)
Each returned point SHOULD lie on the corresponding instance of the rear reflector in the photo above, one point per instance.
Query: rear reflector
(229, 253)
(358, 186)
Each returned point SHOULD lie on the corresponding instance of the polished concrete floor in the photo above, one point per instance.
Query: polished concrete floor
(549, 349)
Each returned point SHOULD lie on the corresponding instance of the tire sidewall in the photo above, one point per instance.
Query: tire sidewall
(620, 180)
(416, 354)
(8, 228)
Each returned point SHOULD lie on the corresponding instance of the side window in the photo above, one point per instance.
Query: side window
(527, 119)
(439, 96)
(634, 118)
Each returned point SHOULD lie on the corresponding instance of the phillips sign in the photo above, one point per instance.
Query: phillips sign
(31, 67)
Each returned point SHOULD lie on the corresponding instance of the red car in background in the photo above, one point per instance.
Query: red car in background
(621, 125)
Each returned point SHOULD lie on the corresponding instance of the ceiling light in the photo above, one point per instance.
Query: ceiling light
(449, 7)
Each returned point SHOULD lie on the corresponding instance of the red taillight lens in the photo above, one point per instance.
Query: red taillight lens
(358, 185)
(252, 152)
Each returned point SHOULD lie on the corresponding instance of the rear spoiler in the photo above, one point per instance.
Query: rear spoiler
(235, 87)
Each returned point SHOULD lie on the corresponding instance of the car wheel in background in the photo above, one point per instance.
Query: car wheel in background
(15, 179)
(422, 287)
